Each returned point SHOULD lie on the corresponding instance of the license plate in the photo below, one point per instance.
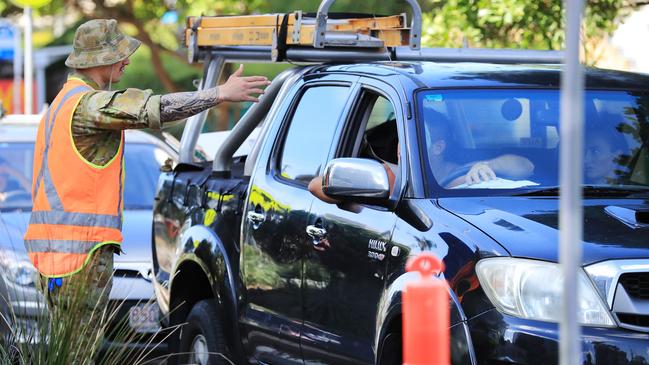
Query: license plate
(144, 318)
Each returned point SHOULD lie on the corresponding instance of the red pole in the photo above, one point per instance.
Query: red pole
(426, 314)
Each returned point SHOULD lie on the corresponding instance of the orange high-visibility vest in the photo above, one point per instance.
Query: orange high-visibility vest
(77, 205)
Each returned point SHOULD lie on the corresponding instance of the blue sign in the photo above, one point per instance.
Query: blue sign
(7, 33)
(170, 17)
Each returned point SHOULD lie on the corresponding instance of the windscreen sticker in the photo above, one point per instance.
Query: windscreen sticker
(531, 142)
(434, 97)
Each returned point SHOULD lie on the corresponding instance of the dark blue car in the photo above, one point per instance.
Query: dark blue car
(459, 159)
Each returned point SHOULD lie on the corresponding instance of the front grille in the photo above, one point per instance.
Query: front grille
(636, 284)
(634, 319)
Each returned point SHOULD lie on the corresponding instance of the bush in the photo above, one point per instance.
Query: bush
(61, 336)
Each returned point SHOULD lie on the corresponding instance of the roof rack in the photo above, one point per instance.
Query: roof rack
(325, 37)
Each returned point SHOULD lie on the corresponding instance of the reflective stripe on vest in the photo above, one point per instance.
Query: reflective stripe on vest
(76, 219)
(61, 246)
(77, 205)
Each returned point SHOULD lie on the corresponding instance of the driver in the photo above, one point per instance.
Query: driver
(437, 135)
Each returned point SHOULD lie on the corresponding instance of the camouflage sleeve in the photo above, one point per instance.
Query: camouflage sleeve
(118, 110)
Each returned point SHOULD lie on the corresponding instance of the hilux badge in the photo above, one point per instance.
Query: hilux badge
(376, 245)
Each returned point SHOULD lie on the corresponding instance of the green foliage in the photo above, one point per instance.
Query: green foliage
(64, 335)
(511, 23)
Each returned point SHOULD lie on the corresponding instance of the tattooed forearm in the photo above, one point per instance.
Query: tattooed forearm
(183, 105)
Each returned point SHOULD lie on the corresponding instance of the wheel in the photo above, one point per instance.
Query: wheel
(391, 354)
(202, 341)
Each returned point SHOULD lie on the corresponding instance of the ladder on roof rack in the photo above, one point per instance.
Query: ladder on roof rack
(281, 31)
(301, 37)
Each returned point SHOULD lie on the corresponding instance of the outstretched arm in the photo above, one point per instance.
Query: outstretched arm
(138, 109)
(185, 104)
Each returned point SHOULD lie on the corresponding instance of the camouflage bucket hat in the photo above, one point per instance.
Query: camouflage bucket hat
(99, 42)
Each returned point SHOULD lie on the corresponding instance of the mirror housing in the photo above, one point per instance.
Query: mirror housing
(356, 179)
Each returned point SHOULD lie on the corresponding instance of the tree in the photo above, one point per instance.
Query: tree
(447, 23)
(515, 23)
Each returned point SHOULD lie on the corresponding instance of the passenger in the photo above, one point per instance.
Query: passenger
(437, 135)
(601, 159)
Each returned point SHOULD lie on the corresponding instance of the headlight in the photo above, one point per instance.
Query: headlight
(18, 268)
(534, 289)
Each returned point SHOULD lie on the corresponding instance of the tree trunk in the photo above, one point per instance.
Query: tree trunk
(156, 59)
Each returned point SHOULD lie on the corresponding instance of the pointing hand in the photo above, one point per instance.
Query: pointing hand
(242, 88)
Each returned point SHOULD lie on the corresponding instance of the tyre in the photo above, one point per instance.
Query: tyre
(391, 354)
(202, 340)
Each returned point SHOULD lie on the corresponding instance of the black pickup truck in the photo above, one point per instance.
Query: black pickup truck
(262, 271)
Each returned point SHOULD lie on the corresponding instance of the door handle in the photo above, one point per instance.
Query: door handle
(256, 218)
(316, 233)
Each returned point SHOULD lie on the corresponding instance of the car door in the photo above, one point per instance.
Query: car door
(345, 267)
(276, 217)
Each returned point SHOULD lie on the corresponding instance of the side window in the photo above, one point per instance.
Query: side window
(379, 132)
(311, 132)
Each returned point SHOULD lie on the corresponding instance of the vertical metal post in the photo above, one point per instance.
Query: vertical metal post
(571, 178)
(195, 123)
(40, 84)
(18, 69)
(29, 70)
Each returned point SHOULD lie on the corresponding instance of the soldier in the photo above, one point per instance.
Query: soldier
(75, 226)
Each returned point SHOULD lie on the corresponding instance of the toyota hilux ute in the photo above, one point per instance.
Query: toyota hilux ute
(259, 270)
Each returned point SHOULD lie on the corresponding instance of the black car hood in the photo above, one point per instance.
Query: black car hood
(528, 226)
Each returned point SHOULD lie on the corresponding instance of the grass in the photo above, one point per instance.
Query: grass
(62, 336)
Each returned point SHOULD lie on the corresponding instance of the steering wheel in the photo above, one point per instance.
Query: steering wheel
(15, 195)
(457, 172)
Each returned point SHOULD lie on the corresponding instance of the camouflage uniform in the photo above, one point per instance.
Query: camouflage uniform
(102, 115)
(81, 299)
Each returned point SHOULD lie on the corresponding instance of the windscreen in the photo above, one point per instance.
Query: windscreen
(16, 161)
(509, 139)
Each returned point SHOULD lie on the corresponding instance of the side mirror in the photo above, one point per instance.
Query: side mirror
(357, 179)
